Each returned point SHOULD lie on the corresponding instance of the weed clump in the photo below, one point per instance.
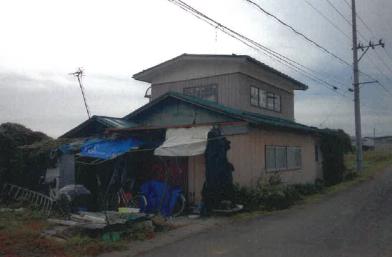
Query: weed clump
(274, 195)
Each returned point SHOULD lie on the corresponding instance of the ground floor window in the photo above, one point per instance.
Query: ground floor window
(282, 158)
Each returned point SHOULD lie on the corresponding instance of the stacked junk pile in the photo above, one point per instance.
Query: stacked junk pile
(124, 178)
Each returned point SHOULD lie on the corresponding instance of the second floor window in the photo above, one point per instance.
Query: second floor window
(263, 99)
(254, 96)
(208, 92)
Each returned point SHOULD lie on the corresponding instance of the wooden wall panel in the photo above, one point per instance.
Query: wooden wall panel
(234, 91)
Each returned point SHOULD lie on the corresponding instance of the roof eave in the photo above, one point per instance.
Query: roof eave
(147, 76)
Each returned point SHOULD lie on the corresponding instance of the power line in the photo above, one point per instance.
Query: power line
(362, 36)
(359, 18)
(344, 17)
(307, 38)
(292, 64)
(383, 74)
(337, 10)
(372, 33)
(297, 32)
(328, 19)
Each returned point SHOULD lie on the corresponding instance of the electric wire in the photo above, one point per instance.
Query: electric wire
(360, 34)
(298, 32)
(335, 26)
(379, 57)
(327, 19)
(292, 64)
(255, 45)
(337, 10)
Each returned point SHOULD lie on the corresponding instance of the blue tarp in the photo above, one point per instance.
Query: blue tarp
(157, 199)
(108, 149)
(75, 146)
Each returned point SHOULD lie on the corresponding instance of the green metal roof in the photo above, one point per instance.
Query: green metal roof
(107, 122)
(112, 122)
(253, 118)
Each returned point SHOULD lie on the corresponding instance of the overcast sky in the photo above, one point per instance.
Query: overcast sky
(41, 42)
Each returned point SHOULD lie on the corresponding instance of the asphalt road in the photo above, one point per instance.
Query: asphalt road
(356, 222)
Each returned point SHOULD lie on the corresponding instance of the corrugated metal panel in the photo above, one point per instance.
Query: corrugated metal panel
(97, 125)
(116, 122)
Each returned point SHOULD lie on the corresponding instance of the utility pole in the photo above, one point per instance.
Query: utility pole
(357, 106)
(79, 74)
(356, 84)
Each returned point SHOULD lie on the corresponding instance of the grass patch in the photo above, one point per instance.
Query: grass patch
(374, 162)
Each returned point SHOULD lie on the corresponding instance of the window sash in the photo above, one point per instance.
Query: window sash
(270, 101)
(270, 158)
(282, 158)
(277, 103)
(254, 96)
(262, 98)
(294, 157)
(298, 157)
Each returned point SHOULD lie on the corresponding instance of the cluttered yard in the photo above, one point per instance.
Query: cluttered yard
(24, 232)
(99, 211)
(89, 196)
(28, 232)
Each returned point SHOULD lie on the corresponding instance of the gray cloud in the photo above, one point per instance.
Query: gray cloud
(55, 107)
(35, 89)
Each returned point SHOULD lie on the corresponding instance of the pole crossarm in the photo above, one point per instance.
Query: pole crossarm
(367, 47)
(368, 82)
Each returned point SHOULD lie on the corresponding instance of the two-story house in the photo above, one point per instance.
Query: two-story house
(236, 81)
(251, 102)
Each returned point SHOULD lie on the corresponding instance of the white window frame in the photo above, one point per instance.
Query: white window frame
(294, 151)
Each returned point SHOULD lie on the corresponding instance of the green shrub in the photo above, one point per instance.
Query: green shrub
(274, 195)
(350, 176)
(334, 145)
(310, 188)
(249, 197)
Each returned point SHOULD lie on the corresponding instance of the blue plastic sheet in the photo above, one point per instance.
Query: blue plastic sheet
(157, 199)
(75, 146)
(108, 149)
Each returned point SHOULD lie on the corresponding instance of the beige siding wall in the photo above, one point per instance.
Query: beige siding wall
(234, 91)
(195, 68)
(196, 178)
(247, 154)
(228, 87)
